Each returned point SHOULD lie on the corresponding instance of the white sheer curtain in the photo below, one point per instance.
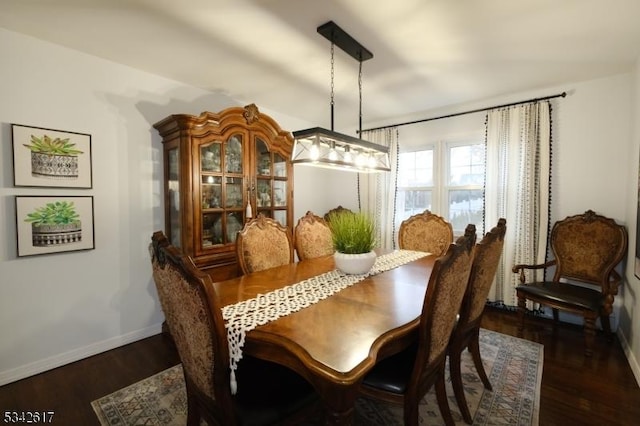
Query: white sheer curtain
(517, 188)
(377, 191)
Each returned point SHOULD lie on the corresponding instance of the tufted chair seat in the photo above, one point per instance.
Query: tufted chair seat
(262, 244)
(586, 249)
(425, 232)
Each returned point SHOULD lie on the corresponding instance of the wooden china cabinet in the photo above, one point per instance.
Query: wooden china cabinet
(219, 169)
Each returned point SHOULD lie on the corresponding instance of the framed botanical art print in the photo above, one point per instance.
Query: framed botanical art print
(54, 224)
(51, 158)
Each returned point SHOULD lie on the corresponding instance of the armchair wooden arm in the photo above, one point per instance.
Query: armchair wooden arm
(521, 268)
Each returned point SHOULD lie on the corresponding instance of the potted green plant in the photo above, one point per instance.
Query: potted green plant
(55, 223)
(354, 237)
(53, 158)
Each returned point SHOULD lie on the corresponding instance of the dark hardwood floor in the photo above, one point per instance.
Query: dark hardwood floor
(575, 390)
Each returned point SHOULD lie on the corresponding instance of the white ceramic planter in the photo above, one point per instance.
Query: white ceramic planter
(355, 264)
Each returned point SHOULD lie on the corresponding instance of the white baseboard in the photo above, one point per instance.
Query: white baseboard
(633, 362)
(55, 361)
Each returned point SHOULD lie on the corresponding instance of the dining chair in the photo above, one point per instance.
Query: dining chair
(263, 243)
(405, 378)
(586, 249)
(425, 231)
(466, 332)
(336, 210)
(312, 237)
(267, 393)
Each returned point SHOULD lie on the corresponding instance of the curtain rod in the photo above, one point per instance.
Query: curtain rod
(559, 95)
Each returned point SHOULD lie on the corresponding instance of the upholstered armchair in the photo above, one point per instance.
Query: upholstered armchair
(404, 378)
(262, 244)
(312, 237)
(586, 249)
(425, 232)
(267, 393)
(466, 334)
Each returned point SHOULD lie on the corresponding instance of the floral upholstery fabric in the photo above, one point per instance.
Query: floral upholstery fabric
(185, 310)
(313, 237)
(485, 264)
(425, 232)
(586, 249)
(264, 244)
(449, 287)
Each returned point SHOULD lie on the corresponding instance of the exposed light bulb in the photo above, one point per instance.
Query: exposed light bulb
(333, 155)
(347, 155)
(372, 160)
(314, 152)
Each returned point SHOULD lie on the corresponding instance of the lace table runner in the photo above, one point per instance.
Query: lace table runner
(244, 316)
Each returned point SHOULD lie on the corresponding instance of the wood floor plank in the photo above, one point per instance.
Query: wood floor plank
(575, 390)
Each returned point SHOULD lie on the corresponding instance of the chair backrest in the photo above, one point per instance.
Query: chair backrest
(483, 271)
(339, 209)
(194, 318)
(425, 232)
(312, 237)
(263, 243)
(587, 248)
(446, 289)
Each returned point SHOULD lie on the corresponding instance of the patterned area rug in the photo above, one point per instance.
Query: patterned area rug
(514, 367)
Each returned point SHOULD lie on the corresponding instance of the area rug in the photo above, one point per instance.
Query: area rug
(514, 367)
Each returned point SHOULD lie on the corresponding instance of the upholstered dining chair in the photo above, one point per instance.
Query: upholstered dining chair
(586, 249)
(466, 333)
(405, 378)
(263, 243)
(336, 210)
(267, 393)
(425, 232)
(312, 237)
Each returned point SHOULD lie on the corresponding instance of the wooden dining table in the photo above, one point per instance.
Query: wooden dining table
(333, 343)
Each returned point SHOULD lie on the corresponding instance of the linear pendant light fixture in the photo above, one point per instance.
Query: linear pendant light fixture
(326, 148)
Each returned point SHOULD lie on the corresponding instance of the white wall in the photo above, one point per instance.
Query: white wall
(63, 307)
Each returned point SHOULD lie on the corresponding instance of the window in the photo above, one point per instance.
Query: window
(446, 178)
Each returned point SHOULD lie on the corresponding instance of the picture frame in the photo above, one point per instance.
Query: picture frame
(45, 157)
(54, 224)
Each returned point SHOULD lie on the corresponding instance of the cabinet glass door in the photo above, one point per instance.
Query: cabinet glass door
(173, 188)
(221, 190)
(271, 183)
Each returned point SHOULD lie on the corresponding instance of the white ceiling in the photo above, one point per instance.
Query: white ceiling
(427, 53)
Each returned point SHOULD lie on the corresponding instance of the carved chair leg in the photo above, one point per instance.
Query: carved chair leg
(474, 348)
(456, 382)
(193, 411)
(441, 396)
(522, 309)
(589, 334)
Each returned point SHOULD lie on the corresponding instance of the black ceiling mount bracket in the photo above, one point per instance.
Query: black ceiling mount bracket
(344, 41)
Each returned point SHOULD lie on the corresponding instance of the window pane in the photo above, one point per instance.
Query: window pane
(416, 169)
(411, 202)
(465, 207)
(466, 165)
